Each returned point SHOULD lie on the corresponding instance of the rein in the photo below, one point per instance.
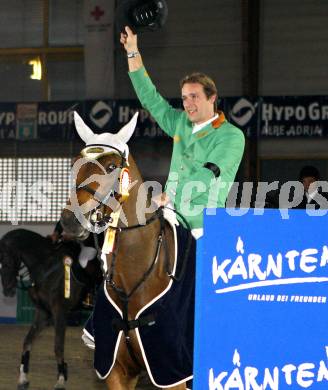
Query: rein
(109, 278)
(125, 324)
(120, 229)
(24, 272)
(31, 282)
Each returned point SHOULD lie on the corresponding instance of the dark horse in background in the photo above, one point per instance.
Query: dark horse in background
(140, 267)
(45, 267)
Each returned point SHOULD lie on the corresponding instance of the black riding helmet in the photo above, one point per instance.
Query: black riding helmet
(141, 15)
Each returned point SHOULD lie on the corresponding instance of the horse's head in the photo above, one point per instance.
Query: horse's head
(100, 179)
(8, 271)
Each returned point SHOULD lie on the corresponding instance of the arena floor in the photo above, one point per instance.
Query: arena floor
(81, 375)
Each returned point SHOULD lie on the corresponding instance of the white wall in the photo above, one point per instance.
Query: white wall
(42, 229)
(7, 307)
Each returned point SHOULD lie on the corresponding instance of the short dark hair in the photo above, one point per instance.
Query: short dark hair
(309, 171)
(207, 83)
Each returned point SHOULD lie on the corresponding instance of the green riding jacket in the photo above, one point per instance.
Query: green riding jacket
(190, 185)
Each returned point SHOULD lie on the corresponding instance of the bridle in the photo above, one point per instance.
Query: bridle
(97, 217)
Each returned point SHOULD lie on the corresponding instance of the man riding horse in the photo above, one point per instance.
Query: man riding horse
(207, 149)
(135, 320)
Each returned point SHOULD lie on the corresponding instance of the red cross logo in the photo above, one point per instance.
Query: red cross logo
(97, 13)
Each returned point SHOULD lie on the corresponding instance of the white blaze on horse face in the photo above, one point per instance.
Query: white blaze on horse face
(118, 140)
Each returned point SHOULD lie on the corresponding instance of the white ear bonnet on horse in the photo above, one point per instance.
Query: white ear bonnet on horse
(118, 140)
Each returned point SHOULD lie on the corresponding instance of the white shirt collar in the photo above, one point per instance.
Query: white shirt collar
(199, 126)
(311, 195)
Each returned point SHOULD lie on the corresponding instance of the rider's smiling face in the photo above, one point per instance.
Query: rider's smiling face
(197, 105)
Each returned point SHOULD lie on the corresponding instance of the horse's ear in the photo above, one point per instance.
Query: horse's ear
(83, 130)
(126, 131)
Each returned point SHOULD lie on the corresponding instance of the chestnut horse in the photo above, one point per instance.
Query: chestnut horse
(108, 193)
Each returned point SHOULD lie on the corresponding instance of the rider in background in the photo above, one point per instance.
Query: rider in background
(207, 149)
(314, 195)
(86, 253)
(87, 249)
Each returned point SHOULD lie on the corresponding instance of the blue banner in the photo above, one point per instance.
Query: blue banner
(290, 116)
(279, 116)
(261, 302)
(55, 120)
(7, 120)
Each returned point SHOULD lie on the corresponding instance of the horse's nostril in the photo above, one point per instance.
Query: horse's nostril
(66, 215)
(72, 226)
(68, 218)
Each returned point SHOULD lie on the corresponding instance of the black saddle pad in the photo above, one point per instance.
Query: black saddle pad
(168, 343)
